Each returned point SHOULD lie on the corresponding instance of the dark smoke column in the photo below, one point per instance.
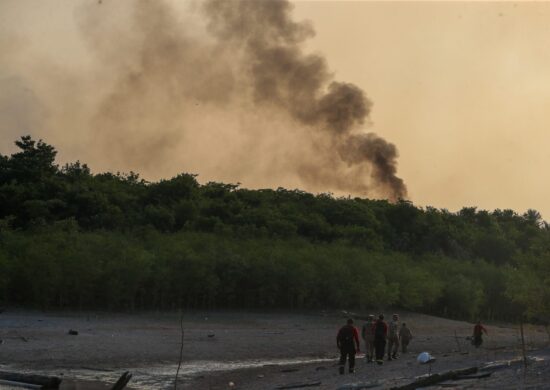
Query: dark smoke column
(282, 76)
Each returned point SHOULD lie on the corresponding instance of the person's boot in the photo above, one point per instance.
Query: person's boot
(351, 370)
(341, 370)
(394, 356)
(389, 358)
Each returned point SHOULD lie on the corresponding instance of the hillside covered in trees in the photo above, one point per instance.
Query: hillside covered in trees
(73, 239)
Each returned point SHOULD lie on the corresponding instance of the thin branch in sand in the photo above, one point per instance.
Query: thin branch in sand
(181, 352)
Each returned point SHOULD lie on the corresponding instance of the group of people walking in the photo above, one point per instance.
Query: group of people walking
(376, 334)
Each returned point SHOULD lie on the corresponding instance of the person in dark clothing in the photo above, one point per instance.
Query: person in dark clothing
(478, 334)
(405, 336)
(347, 341)
(380, 330)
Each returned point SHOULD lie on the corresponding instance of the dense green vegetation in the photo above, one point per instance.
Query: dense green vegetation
(70, 238)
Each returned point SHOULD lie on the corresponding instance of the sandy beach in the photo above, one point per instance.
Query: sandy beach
(247, 350)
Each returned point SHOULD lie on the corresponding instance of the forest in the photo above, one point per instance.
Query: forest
(72, 239)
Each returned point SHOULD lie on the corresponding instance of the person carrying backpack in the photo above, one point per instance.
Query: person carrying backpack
(380, 330)
(347, 341)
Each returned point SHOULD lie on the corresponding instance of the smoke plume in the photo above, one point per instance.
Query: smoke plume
(282, 75)
(226, 91)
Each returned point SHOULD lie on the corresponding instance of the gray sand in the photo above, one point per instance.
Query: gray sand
(251, 350)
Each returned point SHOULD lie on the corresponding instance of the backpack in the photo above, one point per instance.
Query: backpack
(346, 335)
(379, 330)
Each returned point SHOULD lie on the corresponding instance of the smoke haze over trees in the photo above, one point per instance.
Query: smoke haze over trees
(70, 238)
(226, 90)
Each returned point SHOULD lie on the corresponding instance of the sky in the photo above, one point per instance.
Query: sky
(460, 90)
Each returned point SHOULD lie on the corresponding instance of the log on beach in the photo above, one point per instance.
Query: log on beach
(436, 378)
(122, 381)
(360, 386)
(498, 365)
(47, 382)
(478, 376)
(19, 384)
(300, 385)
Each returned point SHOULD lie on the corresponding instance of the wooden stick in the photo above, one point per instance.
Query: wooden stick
(523, 350)
(181, 352)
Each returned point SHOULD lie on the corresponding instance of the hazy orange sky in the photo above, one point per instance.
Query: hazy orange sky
(460, 88)
(463, 89)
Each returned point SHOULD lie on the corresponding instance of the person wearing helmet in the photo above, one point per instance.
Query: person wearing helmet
(347, 341)
(368, 335)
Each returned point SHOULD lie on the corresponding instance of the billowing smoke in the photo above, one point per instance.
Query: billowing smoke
(229, 94)
(282, 75)
(382, 155)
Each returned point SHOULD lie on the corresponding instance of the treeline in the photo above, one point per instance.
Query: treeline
(70, 238)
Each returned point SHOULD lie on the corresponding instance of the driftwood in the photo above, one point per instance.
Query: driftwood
(19, 384)
(47, 382)
(523, 350)
(122, 381)
(479, 376)
(290, 369)
(360, 386)
(350, 314)
(436, 378)
(498, 365)
(298, 385)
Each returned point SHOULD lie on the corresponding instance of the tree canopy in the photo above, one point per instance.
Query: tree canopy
(69, 237)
